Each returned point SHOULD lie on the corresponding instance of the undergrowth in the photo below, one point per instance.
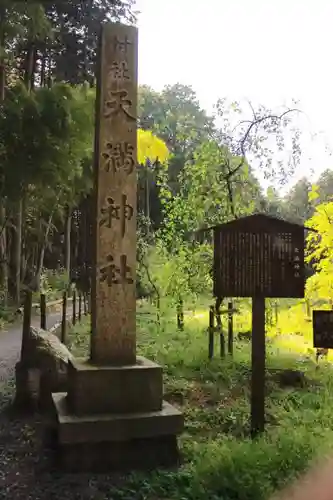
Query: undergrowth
(219, 459)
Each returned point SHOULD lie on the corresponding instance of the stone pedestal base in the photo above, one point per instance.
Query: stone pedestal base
(116, 441)
(137, 454)
(27, 380)
(95, 389)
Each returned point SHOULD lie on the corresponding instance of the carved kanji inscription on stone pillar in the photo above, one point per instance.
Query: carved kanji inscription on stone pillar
(113, 288)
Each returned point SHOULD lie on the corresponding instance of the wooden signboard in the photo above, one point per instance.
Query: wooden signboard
(322, 329)
(113, 340)
(259, 256)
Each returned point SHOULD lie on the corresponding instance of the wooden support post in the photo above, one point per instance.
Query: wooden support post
(26, 326)
(308, 308)
(211, 332)
(74, 307)
(43, 311)
(219, 326)
(222, 343)
(89, 302)
(80, 306)
(258, 367)
(85, 305)
(180, 314)
(276, 309)
(230, 328)
(64, 318)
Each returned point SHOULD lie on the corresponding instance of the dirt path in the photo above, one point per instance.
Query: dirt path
(26, 466)
(26, 471)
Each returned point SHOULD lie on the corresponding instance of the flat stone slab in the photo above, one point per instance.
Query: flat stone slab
(137, 454)
(95, 389)
(116, 427)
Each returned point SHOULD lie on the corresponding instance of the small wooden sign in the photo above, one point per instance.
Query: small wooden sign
(259, 256)
(322, 329)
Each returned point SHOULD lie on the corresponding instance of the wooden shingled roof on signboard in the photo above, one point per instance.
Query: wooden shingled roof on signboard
(259, 220)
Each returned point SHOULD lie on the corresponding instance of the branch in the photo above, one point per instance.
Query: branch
(252, 109)
(146, 268)
(4, 225)
(247, 133)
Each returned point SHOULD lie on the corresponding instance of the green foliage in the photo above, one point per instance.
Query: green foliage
(325, 186)
(320, 252)
(175, 116)
(65, 34)
(219, 459)
(314, 194)
(44, 136)
(183, 273)
(53, 284)
(298, 201)
(212, 195)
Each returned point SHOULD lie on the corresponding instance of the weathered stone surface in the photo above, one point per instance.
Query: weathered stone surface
(44, 371)
(56, 329)
(107, 442)
(106, 389)
(137, 454)
(103, 422)
(27, 382)
(50, 356)
(114, 426)
(113, 340)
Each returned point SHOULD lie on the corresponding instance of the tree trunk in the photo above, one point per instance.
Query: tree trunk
(67, 243)
(3, 246)
(15, 260)
(33, 69)
(43, 70)
(147, 201)
(3, 253)
(40, 260)
(49, 75)
(29, 67)
(180, 314)
(2, 49)
(23, 238)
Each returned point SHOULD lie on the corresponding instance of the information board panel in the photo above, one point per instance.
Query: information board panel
(259, 256)
(322, 329)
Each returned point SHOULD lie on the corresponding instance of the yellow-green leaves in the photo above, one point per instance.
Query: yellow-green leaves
(320, 252)
(314, 193)
(151, 148)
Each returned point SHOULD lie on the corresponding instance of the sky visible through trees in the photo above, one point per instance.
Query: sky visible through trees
(267, 52)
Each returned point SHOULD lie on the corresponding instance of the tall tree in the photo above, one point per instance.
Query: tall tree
(325, 186)
(176, 117)
(45, 135)
(319, 253)
(272, 203)
(297, 203)
(76, 24)
(57, 40)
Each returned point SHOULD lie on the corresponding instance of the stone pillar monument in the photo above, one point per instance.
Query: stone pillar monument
(114, 416)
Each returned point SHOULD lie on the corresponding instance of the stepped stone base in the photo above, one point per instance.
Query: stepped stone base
(116, 441)
(138, 454)
(95, 389)
(27, 380)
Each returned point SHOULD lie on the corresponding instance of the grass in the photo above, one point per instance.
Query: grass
(219, 459)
